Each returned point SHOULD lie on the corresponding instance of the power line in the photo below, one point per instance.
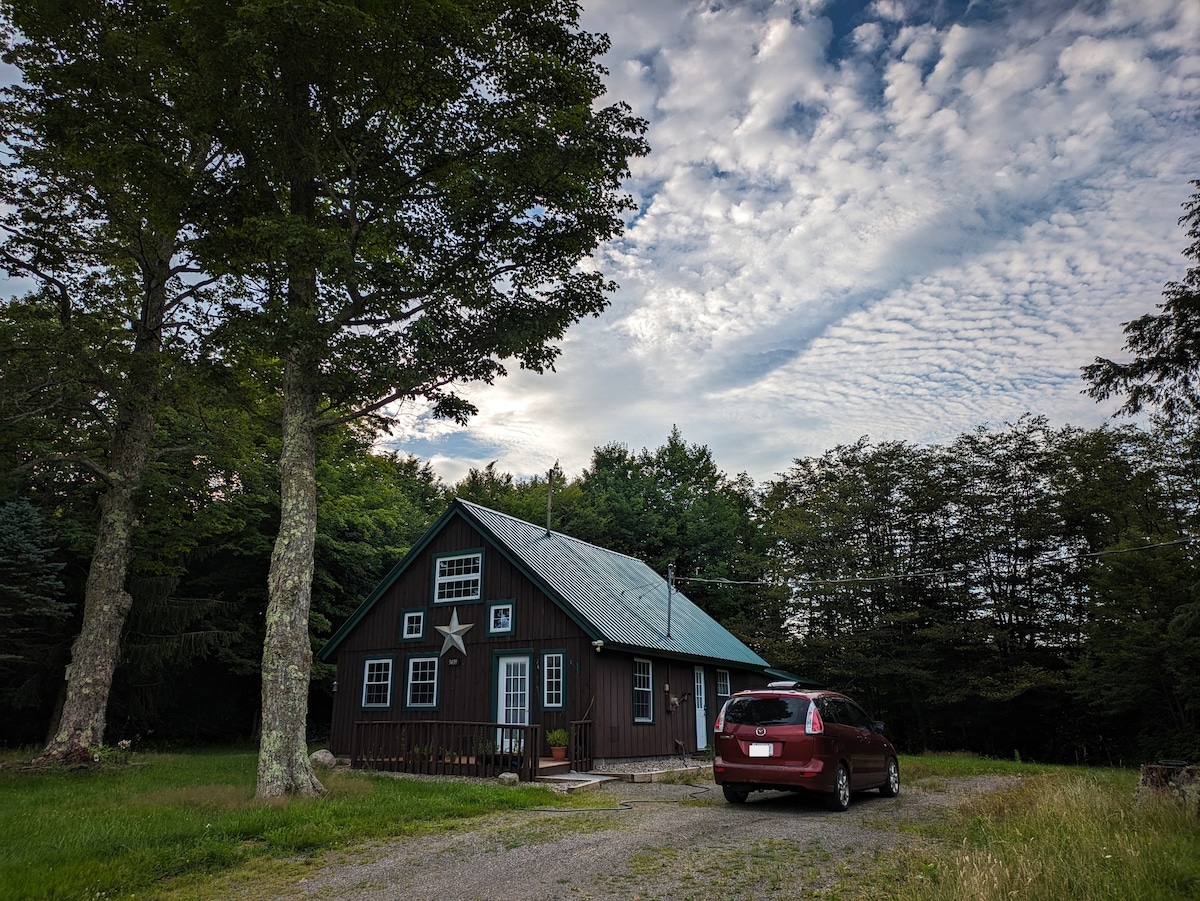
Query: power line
(944, 572)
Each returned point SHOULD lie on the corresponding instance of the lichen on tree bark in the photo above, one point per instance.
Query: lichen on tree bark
(283, 764)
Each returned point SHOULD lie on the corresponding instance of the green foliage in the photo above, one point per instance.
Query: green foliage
(30, 588)
(974, 594)
(557, 738)
(444, 193)
(1137, 671)
(33, 606)
(523, 498)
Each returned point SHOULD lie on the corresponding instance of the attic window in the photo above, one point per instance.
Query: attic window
(414, 625)
(458, 577)
(500, 618)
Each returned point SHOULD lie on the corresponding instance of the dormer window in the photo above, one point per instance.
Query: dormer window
(458, 577)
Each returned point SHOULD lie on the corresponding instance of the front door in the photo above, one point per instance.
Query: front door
(512, 701)
(701, 711)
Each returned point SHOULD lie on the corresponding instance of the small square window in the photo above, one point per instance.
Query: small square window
(723, 683)
(500, 618)
(414, 625)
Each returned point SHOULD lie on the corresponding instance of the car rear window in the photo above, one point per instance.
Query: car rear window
(767, 711)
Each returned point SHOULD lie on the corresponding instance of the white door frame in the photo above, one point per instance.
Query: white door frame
(513, 701)
(701, 699)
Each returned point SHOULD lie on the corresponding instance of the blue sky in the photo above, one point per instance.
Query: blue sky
(893, 219)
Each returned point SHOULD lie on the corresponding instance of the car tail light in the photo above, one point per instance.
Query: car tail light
(720, 724)
(813, 724)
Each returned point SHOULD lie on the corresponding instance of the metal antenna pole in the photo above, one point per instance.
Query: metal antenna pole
(670, 592)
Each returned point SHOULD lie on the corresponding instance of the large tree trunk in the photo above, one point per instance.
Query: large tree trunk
(106, 605)
(106, 602)
(283, 764)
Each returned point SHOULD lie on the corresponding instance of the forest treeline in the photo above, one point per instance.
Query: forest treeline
(1023, 590)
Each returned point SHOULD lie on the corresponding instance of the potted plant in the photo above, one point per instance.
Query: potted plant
(557, 739)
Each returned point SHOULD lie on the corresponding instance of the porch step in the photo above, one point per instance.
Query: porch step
(548, 766)
(575, 782)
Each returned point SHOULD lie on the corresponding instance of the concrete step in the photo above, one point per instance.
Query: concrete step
(575, 782)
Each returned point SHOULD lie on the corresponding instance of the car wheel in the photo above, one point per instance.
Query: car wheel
(891, 787)
(839, 798)
(733, 796)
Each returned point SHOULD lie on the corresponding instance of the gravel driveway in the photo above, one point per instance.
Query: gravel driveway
(676, 842)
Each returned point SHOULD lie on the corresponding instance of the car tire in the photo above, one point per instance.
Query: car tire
(733, 796)
(839, 798)
(891, 785)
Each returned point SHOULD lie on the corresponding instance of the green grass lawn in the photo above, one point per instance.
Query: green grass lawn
(117, 831)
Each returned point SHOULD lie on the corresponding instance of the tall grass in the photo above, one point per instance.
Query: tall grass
(113, 832)
(1057, 836)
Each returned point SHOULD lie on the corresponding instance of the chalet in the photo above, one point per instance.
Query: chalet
(492, 632)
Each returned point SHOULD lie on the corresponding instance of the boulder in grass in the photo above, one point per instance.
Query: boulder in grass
(508, 779)
(322, 759)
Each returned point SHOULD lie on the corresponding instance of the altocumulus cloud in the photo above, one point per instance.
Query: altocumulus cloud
(896, 219)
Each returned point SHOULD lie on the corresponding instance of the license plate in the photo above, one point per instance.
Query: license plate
(761, 749)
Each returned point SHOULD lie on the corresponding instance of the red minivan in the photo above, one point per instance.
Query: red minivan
(787, 738)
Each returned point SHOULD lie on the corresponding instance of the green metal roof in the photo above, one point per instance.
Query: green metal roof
(615, 598)
(622, 598)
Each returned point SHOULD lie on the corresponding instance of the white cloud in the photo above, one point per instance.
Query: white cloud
(897, 226)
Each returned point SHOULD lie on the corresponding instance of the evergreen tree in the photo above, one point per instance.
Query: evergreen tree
(31, 590)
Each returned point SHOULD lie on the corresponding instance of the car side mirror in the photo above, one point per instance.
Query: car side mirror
(877, 726)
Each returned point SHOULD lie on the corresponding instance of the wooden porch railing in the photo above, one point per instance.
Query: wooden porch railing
(579, 749)
(461, 748)
(447, 748)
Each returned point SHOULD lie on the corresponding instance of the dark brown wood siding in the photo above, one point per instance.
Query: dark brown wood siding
(466, 682)
(597, 686)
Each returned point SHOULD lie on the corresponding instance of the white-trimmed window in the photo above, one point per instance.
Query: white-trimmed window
(377, 682)
(422, 681)
(723, 683)
(458, 577)
(414, 625)
(500, 618)
(643, 691)
(552, 679)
